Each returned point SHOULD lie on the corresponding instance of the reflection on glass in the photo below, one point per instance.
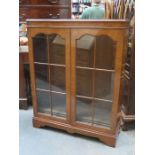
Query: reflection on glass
(96, 113)
(57, 49)
(84, 51)
(58, 79)
(43, 99)
(102, 113)
(83, 111)
(102, 48)
(105, 52)
(58, 105)
(104, 84)
(40, 48)
(41, 75)
(83, 82)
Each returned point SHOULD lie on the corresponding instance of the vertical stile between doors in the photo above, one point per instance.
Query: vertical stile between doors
(49, 72)
(68, 75)
(93, 82)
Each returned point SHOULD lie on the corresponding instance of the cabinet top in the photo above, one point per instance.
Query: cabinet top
(72, 23)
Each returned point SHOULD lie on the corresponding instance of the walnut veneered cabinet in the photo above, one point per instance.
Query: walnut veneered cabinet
(76, 69)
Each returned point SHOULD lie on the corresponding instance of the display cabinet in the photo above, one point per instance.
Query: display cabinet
(76, 70)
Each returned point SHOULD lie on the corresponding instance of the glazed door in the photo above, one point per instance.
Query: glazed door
(51, 74)
(96, 57)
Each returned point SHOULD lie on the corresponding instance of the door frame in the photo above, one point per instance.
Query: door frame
(116, 36)
(66, 35)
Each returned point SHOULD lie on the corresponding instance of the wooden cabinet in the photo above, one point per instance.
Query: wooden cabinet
(50, 2)
(76, 69)
(24, 2)
(23, 101)
(48, 12)
(128, 95)
(24, 13)
(55, 9)
(24, 81)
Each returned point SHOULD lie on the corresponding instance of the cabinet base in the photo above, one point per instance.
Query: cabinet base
(23, 104)
(106, 138)
(128, 126)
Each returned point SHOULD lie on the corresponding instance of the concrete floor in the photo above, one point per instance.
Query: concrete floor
(34, 141)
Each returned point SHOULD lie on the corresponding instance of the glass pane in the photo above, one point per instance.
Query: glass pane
(58, 80)
(84, 51)
(42, 76)
(105, 52)
(104, 84)
(40, 48)
(43, 99)
(94, 52)
(58, 104)
(83, 82)
(83, 110)
(57, 49)
(102, 113)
